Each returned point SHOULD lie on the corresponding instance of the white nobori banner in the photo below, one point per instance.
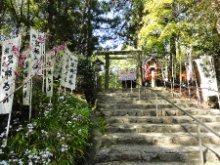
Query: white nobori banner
(50, 60)
(69, 70)
(37, 44)
(27, 86)
(207, 76)
(34, 62)
(9, 62)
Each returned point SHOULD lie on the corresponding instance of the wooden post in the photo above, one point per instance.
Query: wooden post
(139, 68)
(180, 58)
(107, 64)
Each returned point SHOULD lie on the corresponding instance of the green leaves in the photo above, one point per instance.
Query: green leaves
(60, 136)
(67, 20)
(188, 21)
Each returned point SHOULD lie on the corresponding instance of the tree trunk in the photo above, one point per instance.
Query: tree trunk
(1, 12)
(172, 57)
(89, 31)
(50, 22)
(139, 67)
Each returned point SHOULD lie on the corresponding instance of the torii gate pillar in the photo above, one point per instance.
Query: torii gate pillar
(107, 64)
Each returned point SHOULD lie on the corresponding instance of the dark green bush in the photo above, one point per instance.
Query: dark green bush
(86, 82)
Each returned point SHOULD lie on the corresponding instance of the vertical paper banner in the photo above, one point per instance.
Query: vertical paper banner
(69, 70)
(65, 67)
(164, 71)
(26, 93)
(9, 62)
(58, 68)
(50, 59)
(208, 81)
(71, 76)
(34, 62)
(189, 66)
(27, 85)
(37, 44)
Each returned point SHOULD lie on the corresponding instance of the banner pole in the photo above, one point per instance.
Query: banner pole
(43, 67)
(30, 106)
(7, 129)
(43, 78)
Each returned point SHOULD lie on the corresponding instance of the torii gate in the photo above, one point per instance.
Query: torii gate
(107, 55)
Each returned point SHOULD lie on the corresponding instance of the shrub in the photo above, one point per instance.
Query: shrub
(86, 80)
(60, 136)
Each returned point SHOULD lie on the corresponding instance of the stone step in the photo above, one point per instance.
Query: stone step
(157, 139)
(145, 94)
(127, 112)
(135, 96)
(111, 101)
(116, 90)
(146, 153)
(177, 153)
(120, 94)
(123, 96)
(152, 112)
(143, 103)
(135, 92)
(137, 134)
(149, 163)
(161, 128)
(134, 100)
(146, 105)
(162, 119)
(193, 111)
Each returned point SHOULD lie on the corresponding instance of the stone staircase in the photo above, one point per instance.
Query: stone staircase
(136, 134)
